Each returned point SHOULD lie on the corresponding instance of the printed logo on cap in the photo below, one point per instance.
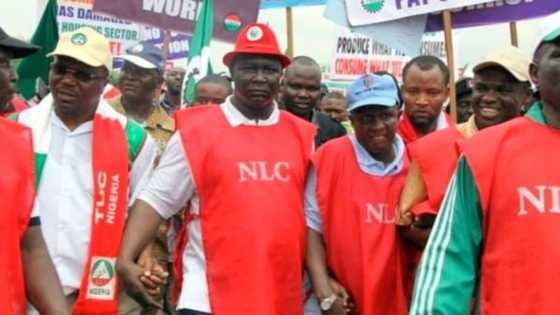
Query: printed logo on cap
(137, 49)
(78, 39)
(254, 33)
(373, 6)
(232, 23)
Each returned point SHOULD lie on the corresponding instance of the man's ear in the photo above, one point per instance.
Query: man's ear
(534, 73)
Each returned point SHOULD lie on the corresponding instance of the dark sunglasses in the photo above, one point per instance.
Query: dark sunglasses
(80, 75)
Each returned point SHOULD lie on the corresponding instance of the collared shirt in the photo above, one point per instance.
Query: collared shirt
(169, 190)
(65, 196)
(367, 164)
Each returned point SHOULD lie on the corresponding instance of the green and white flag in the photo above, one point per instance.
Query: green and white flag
(37, 65)
(199, 52)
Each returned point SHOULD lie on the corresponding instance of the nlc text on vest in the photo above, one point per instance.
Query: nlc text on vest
(264, 171)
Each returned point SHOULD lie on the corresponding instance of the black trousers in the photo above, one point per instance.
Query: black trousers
(191, 312)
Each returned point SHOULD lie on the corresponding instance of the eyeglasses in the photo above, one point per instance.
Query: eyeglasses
(80, 75)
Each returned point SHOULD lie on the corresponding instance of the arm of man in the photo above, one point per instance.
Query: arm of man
(415, 229)
(448, 273)
(315, 259)
(166, 192)
(42, 285)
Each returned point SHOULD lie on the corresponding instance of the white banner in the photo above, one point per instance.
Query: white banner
(356, 55)
(364, 12)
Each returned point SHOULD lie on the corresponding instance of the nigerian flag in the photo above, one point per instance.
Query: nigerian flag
(199, 62)
(37, 65)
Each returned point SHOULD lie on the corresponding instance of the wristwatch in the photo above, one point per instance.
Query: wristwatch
(327, 303)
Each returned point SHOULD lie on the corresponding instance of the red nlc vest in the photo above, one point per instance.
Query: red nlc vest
(362, 246)
(17, 193)
(517, 172)
(250, 181)
(436, 155)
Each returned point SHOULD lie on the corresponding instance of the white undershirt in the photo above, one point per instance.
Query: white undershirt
(65, 197)
(169, 190)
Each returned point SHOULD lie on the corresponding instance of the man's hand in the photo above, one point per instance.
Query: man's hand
(154, 275)
(342, 296)
(130, 276)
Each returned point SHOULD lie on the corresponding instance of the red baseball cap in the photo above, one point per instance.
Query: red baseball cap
(258, 39)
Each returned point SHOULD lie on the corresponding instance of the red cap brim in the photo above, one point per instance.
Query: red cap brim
(230, 56)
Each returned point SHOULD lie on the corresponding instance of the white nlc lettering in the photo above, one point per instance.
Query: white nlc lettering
(262, 171)
(542, 198)
(380, 214)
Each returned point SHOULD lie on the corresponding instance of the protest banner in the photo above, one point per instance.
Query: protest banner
(274, 4)
(494, 12)
(121, 34)
(356, 55)
(363, 12)
(75, 14)
(180, 15)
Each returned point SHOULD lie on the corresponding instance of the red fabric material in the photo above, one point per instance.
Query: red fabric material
(98, 290)
(17, 105)
(112, 93)
(250, 182)
(407, 131)
(17, 191)
(362, 246)
(521, 252)
(436, 155)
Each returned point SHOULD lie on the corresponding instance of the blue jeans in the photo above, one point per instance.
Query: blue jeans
(190, 312)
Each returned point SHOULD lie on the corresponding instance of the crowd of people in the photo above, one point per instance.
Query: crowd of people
(270, 194)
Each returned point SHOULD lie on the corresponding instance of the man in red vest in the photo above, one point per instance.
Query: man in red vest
(241, 167)
(425, 89)
(501, 89)
(496, 235)
(351, 200)
(27, 270)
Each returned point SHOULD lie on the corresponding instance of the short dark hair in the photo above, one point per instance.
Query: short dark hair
(217, 79)
(304, 61)
(425, 63)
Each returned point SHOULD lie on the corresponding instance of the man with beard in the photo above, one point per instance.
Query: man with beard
(496, 234)
(90, 160)
(212, 89)
(300, 95)
(425, 89)
(27, 271)
(351, 197)
(501, 89)
(171, 100)
(243, 179)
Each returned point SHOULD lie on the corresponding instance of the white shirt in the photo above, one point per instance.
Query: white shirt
(169, 190)
(65, 197)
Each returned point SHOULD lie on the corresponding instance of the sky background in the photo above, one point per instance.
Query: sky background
(314, 35)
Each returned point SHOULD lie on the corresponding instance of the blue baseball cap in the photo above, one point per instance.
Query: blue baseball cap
(145, 55)
(372, 89)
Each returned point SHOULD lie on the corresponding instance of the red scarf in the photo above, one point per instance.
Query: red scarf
(17, 193)
(98, 291)
(407, 131)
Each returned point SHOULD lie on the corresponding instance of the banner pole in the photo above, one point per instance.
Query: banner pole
(290, 31)
(448, 31)
(513, 34)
